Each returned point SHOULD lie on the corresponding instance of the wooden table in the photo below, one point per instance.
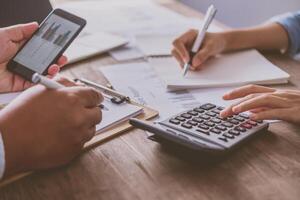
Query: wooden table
(132, 167)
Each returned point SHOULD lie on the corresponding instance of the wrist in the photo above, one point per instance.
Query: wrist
(228, 40)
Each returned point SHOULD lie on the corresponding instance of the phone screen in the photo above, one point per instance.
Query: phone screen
(47, 42)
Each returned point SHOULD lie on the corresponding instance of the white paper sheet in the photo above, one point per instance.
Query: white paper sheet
(130, 18)
(114, 114)
(232, 69)
(140, 82)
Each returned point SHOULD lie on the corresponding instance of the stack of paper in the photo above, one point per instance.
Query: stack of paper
(91, 44)
(232, 69)
(139, 21)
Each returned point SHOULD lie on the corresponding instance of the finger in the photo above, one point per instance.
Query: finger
(270, 101)
(65, 81)
(273, 114)
(228, 111)
(184, 43)
(178, 57)
(94, 116)
(27, 85)
(200, 58)
(181, 50)
(246, 90)
(63, 60)
(53, 70)
(257, 110)
(89, 96)
(18, 84)
(21, 32)
(89, 134)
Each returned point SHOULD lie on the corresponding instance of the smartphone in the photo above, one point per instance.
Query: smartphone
(47, 44)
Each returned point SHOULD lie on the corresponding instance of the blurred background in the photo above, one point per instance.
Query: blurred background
(239, 13)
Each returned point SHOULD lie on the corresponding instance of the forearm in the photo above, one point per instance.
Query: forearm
(265, 37)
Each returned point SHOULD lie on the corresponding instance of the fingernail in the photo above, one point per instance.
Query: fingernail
(236, 109)
(253, 116)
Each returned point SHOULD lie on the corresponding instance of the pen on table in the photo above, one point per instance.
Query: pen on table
(51, 84)
(209, 16)
(105, 89)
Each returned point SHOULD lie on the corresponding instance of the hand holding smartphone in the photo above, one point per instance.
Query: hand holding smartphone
(47, 44)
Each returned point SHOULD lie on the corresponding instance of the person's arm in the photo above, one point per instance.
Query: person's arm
(282, 34)
(265, 37)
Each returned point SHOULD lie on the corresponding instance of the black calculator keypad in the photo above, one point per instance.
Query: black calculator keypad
(204, 121)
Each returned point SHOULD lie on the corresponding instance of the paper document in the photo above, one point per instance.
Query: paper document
(155, 45)
(114, 114)
(151, 91)
(91, 44)
(232, 69)
(130, 18)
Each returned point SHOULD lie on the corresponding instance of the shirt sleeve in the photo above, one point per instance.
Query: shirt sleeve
(2, 157)
(291, 23)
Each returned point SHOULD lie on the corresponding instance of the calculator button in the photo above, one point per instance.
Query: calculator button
(233, 121)
(192, 113)
(216, 131)
(180, 118)
(228, 136)
(212, 114)
(174, 121)
(193, 123)
(244, 115)
(220, 127)
(220, 108)
(198, 120)
(234, 132)
(227, 124)
(203, 131)
(203, 126)
(224, 139)
(199, 110)
(208, 106)
(240, 119)
(188, 126)
(187, 116)
(209, 124)
(216, 111)
(205, 117)
(215, 120)
(241, 129)
(246, 125)
(252, 123)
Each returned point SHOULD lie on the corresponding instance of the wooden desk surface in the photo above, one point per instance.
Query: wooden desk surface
(132, 167)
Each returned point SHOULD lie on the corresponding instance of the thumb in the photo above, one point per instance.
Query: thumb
(21, 32)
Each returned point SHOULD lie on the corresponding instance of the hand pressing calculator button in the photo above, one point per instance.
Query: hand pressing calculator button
(204, 129)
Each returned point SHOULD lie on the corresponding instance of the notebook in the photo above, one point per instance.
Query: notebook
(232, 69)
(91, 44)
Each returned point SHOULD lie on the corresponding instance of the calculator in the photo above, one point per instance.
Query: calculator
(203, 129)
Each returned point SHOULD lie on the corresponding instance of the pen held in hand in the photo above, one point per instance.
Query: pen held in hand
(209, 16)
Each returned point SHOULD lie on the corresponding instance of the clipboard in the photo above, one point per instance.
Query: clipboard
(100, 138)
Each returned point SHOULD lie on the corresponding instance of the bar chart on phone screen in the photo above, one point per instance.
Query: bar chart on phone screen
(43, 47)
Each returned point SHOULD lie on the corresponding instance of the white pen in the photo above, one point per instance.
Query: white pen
(47, 82)
(51, 84)
(209, 16)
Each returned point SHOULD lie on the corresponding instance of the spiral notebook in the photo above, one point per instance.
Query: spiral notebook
(232, 69)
